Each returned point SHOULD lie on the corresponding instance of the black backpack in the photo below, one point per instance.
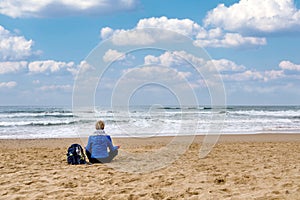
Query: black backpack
(75, 155)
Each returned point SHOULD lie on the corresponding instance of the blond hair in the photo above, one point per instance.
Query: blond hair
(100, 125)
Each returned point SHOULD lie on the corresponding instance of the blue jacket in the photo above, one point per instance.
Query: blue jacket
(98, 144)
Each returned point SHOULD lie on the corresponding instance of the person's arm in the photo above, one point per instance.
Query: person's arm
(110, 145)
(108, 136)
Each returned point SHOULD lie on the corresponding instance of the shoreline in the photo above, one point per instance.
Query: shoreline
(128, 142)
(222, 137)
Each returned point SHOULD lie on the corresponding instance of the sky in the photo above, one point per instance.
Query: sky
(254, 46)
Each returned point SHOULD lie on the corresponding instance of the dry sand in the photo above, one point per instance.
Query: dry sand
(239, 167)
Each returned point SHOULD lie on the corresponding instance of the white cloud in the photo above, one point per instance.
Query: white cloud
(112, 55)
(178, 58)
(263, 16)
(54, 8)
(229, 40)
(43, 66)
(83, 66)
(48, 65)
(10, 84)
(183, 26)
(250, 75)
(226, 65)
(12, 67)
(286, 87)
(142, 34)
(245, 76)
(265, 76)
(106, 32)
(155, 73)
(56, 87)
(134, 37)
(167, 59)
(194, 60)
(287, 65)
(273, 74)
(14, 47)
(150, 59)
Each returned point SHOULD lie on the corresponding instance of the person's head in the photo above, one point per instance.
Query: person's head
(100, 125)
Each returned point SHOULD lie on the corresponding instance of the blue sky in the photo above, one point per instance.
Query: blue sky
(254, 44)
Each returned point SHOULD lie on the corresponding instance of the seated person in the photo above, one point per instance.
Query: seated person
(98, 145)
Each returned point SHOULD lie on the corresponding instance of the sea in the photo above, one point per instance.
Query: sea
(32, 122)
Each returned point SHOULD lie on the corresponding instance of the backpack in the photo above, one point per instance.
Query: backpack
(75, 155)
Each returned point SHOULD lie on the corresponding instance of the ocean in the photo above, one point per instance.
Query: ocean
(30, 122)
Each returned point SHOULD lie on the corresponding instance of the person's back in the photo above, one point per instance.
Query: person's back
(98, 144)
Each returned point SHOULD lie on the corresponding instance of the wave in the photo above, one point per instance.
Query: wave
(196, 108)
(37, 115)
(41, 123)
(110, 121)
(184, 108)
(169, 108)
(266, 114)
(238, 118)
(28, 110)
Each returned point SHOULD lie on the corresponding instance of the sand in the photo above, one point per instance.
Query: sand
(264, 166)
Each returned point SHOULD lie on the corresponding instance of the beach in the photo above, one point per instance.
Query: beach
(258, 166)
